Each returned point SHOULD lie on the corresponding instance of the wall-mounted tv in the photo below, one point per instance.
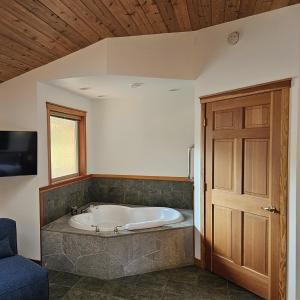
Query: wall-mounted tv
(18, 153)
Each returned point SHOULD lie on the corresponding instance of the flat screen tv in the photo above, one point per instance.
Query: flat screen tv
(18, 153)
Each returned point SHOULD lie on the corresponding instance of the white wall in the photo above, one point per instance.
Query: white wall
(153, 56)
(145, 132)
(18, 199)
(294, 189)
(19, 196)
(294, 252)
(268, 50)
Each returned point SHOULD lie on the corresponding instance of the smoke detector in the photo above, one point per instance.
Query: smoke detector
(233, 38)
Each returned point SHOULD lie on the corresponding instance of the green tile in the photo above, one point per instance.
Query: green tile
(188, 275)
(57, 292)
(243, 296)
(65, 279)
(183, 289)
(123, 287)
(212, 293)
(90, 284)
(181, 283)
(235, 292)
(146, 295)
(51, 276)
(81, 294)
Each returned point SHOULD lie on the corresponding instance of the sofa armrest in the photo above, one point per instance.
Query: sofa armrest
(8, 229)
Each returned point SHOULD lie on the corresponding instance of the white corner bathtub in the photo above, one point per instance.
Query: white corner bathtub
(111, 217)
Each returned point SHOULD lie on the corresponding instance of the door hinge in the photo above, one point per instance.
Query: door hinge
(204, 122)
(205, 187)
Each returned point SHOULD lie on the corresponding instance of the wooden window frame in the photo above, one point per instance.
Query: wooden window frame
(56, 110)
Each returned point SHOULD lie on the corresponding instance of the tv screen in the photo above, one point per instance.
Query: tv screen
(18, 153)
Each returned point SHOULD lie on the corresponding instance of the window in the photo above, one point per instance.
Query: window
(66, 142)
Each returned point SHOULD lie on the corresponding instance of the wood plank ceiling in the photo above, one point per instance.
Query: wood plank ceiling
(36, 32)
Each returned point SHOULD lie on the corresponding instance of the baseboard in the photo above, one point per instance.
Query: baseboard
(198, 263)
(36, 261)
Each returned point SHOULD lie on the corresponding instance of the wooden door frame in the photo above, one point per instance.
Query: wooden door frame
(284, 87)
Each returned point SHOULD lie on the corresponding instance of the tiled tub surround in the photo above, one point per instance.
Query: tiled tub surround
(109, 255)
(58, 201)
(166, 193)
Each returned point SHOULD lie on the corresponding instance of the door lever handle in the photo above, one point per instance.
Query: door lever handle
(271, 209)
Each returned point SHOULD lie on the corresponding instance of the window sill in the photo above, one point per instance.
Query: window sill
(63, 182)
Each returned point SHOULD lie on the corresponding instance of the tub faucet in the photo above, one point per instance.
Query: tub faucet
(116, 229)
(74, 210)
(85, 210)
(97, 229)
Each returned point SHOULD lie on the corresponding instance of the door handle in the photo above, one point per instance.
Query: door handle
(271, 209)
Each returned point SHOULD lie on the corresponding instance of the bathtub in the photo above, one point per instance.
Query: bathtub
(118, 217)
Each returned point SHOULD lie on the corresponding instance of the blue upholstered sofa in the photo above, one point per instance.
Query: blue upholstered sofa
(20, 278)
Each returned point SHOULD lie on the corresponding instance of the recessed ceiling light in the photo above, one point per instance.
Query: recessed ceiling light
(174, 90)
(136, 84)
(84, 88)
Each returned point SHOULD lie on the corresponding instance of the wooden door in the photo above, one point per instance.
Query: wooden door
(245, 197)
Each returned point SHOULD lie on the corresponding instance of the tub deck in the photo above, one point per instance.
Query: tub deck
(108, 255)
(62, 225)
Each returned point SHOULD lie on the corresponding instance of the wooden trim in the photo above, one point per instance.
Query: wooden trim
(61, 109)
(202, 184)
(82, 146)
(142, 177)
(283, 192)
(136, 177)
(63, 183)
(65, 116)
(63, 178)
(73, 114)
(49, 143)
(260, 88)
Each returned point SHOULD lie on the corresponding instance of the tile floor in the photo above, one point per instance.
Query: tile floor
(188, 283)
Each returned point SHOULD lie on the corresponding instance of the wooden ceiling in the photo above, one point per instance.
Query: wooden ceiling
(36, 32)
